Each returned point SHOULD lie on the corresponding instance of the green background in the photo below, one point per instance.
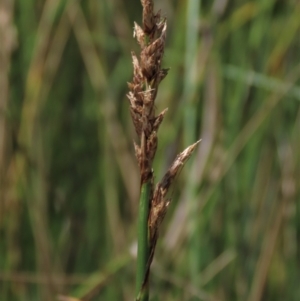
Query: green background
(69, 181)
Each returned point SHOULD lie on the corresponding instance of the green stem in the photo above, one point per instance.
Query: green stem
(142, 294)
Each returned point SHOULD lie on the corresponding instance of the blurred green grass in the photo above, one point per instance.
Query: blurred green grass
(68, 176)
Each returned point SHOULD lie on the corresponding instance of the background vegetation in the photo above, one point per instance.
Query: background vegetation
(68, 176)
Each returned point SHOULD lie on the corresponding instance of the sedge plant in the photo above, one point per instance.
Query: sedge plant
(147, 75)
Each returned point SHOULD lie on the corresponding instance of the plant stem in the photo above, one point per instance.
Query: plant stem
(142, 293)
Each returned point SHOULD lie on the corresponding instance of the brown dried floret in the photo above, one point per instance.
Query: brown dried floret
(140, 35)
(158, 120)
(148, 16)
(151, 145)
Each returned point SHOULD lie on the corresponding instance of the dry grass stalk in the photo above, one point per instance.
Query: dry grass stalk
(147, 75)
